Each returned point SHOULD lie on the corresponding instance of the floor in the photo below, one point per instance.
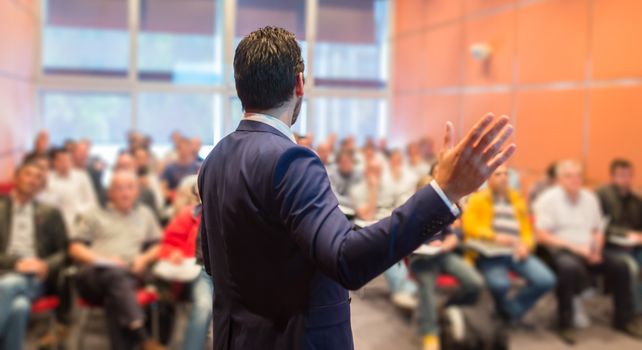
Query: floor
(377, 325)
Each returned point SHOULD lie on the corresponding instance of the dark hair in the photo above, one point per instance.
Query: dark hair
(33, 157)
(433, 168)
(27, 162)
(54, 152)
(266, 63)
(551, 171)
(620, 163)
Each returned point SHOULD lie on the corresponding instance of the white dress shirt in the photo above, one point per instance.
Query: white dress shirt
(72, 194)
(23, 230)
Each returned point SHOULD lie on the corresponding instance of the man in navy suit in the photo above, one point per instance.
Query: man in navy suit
(280, 252)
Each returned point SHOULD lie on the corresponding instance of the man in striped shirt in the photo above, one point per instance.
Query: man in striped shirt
(498, 216)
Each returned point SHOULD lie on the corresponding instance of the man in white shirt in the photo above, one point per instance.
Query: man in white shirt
(68, 189)
(344, 177)
(374, 199)
(570, 226)
(416, 163)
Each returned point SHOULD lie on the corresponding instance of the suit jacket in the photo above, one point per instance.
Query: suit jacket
(51, 238)
(281, 253)
(616, 207)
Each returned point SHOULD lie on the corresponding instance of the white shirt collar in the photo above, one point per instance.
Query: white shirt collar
(273, 122)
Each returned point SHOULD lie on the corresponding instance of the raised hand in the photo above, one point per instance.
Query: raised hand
(464, 167)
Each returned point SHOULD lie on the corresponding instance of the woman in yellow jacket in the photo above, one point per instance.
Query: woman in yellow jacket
(496, 221)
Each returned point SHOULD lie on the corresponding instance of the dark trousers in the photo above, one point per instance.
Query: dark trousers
(574, 275)
(114, 289)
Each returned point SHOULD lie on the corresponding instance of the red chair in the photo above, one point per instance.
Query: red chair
(146, 297)
(445, 281)
(46, 306)
(5, 188)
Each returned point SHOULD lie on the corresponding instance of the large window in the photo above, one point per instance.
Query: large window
(362, 117)
(102, 117)
(109, 66)
(350, 46)
(88, 37)
(180, 42)
(159, 114)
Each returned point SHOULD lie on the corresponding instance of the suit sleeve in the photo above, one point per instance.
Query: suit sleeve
(205, 248)
(309, 210)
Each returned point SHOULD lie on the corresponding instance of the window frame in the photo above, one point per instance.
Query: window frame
(133, 85)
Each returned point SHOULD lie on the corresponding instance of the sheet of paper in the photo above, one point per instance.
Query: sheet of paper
(426, 249)
(185, 272)
(488, 249)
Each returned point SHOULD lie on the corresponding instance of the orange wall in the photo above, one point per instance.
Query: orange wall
(569, 73)
(18, 29)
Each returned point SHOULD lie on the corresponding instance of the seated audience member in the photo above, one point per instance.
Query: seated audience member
(367, 198)
(94, 167)
(42, 162)
(427, 148)
(134, 140)
(427, 268)
(499, 215)
(125, 162)
(323, 151)
(185, 164)
(543, 184)
(184, 196)
(180, 241)
(398, 181)
(68, 189)
(623, 208)
(343, 177)
(33, 250)
(41, 143)
(196, 145)
(416, 163)
(305, 140)
(570, 226)
(147, 174)
(115, 246)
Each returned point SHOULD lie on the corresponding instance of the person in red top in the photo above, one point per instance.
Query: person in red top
(179, 240)
(182, 241)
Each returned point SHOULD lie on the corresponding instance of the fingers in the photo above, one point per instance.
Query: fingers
(497, 144)
(449, 136)
(501, 158)
(489, 136)
(477, 131)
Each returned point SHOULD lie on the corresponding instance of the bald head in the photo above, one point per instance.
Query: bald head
(569, 176)
(123, 190)
(125, 162)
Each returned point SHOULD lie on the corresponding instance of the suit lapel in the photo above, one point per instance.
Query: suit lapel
(39, 216)
(5, 235)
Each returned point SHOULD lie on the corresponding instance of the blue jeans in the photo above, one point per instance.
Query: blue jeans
(17, 291)
(540, 279)
(426, 269)
(399, 280)
(198, 325)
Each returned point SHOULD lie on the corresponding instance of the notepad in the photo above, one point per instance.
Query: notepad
(426, 249)
(488, 249)
(185, 272)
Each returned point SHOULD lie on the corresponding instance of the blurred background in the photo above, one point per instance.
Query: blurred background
(567, 72)
(380, 73)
